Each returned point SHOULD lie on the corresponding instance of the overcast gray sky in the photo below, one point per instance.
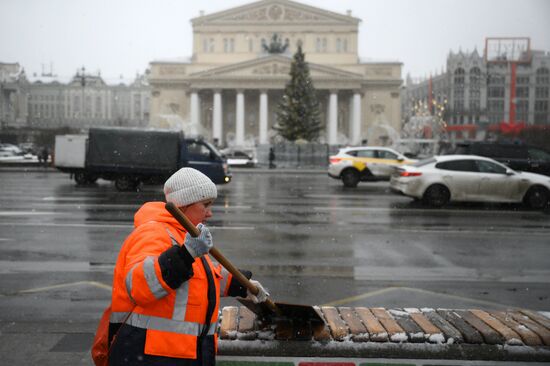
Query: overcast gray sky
(123, 36)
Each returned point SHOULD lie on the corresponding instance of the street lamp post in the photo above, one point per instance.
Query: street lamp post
(83, 83)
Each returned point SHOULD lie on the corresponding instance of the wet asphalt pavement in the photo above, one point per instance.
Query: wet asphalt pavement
(305, 237)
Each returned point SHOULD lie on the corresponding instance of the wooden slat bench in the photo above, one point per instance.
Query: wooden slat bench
(395, 333)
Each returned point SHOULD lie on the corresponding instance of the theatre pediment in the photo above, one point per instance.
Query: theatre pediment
(274, 12)
(272, 67)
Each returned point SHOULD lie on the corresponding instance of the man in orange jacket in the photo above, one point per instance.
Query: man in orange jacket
(166, 289)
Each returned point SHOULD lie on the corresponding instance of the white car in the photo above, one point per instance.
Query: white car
(355, 164)
(470, 178)
(240, 158)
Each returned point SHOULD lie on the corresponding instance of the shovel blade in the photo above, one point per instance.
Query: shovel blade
(292, 312)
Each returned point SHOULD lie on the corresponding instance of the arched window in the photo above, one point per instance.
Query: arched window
(475, 76)
(475, 89)
(459, 76)
(458, 103)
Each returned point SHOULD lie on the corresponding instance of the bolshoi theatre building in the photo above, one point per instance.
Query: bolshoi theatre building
(230, 87)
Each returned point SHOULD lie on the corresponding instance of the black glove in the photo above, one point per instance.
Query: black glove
(235, 288)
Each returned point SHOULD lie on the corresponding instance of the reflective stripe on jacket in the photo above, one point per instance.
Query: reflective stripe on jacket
(173, 318)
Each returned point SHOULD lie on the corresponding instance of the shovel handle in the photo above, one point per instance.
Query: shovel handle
(194, 231)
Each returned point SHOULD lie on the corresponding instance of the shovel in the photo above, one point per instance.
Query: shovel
(268, 311)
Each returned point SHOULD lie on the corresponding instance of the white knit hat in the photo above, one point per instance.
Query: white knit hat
(187, 186)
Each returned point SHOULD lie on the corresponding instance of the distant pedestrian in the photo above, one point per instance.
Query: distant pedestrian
(271, 158)
(44, 155)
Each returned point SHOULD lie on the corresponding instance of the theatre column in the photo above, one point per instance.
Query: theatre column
(239, 123)
(217, 117)
(263, 117)
(333, 118)
(356, 119)
(195, 108)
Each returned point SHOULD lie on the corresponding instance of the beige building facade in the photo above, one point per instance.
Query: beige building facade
(230, 87)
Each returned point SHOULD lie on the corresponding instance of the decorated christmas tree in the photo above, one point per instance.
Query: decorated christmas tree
(298, 111)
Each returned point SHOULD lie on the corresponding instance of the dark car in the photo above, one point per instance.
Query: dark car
(517, 156)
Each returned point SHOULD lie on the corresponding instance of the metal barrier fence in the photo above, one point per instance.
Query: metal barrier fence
(296, 155)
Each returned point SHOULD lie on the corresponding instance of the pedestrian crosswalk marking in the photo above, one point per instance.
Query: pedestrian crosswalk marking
(65, 285)
(348, 300)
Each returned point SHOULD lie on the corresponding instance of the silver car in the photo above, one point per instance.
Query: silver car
(469, 178)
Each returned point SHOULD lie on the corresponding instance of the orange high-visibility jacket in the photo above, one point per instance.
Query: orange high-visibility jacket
(173, 315)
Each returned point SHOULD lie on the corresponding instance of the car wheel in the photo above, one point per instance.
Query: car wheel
(350, 178)
(436, 195)
(126, 183)
(537, 197)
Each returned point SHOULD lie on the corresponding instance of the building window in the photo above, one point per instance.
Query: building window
(475, 94)
(522, 80)
(137, 106)
(541, 92)
(98, 107)
(522, 110)
(543, 76)
(459, 76)
(496, 80)
(228, 45)
(475, 89)
(211, 45)
(250, 45)
(88, 106)
(495, 92)
(321, 45)
(475, 77)
(541, 112)
(522, 92)
(542, 86)
(76, 105)
(458, 105)
(496, 110)
(341, 45)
